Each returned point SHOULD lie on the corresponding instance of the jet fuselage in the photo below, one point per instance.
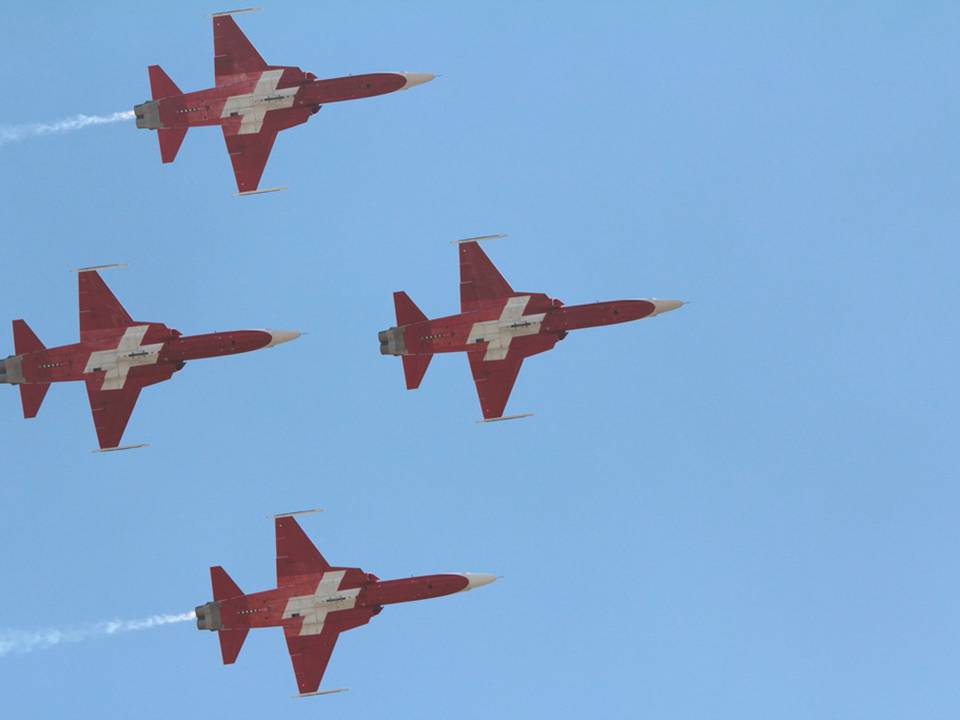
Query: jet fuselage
(497, 323)
(319, 597)
(114, 352)
(289, 93)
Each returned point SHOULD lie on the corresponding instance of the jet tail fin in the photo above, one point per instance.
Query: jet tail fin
(32, 398)
(230, 643)
(414, 368)
(231, 640)
(161, 85)
(24, 339)
(224, 587)
(407, 311)
(170, 141)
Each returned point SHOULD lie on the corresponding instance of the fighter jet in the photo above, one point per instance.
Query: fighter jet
(116, 357)
(252, 101)
(314, 602)
(497, 327)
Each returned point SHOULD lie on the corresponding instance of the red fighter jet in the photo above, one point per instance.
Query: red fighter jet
(314, 602)
(117, 357)
(497, 327)
(252, 101)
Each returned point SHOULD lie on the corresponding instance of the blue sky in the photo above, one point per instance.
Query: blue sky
(743, 509)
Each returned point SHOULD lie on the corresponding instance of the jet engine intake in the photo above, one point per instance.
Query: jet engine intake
(392, 342)
(208, 616)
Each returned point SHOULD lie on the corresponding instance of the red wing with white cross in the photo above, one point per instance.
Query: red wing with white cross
(511, 331)
(311, 631)
(127, 362)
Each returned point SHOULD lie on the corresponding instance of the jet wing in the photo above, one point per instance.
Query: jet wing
(480, 280)
(99, 307)
(249, 153)
(296, 554)
(495, 378)
(233, 54)
(112, 408)
(250, 137)
(310, 654)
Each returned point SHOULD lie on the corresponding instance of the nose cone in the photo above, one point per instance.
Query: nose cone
(416, 79)
(281, 336)
(475, 580)
(662, 306)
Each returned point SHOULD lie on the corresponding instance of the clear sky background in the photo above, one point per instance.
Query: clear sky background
(747, 508)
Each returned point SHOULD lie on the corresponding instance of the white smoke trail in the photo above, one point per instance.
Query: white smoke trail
(16, 133)
(19, 641)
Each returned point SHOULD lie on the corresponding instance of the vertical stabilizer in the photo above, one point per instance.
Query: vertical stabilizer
(161, 86)
(32, 398)
(24, 339)
(224, 587)
(407, 311)
(414, 368)
(170, 141)
(230, 643)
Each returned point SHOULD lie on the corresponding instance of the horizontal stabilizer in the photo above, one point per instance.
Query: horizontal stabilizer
(407, 311)
(414, 368)
(161, 86)
(32, 398)
(170, 141)
(224, 587)
(230, 643)
(24, 339)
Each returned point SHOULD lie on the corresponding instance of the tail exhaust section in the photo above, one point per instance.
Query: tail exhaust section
(208, 616)
(392, 341)
(31, 395)
(148, 114)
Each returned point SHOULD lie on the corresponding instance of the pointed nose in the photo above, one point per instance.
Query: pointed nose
(416, 79)
(281, 336)
(475, 580)
(662, 306)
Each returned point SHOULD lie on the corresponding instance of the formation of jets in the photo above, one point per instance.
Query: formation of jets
(116, 356)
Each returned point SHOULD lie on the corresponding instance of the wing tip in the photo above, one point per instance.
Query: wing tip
(309, 511)
(479, 238)
(238, 11)
(95, 268)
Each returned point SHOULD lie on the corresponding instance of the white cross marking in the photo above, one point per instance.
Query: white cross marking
(328, 598)
(254, 106)
(129, 353)
(500, 332)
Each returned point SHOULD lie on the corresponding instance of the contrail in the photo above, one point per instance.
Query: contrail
(16, 133)
(19, 641)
